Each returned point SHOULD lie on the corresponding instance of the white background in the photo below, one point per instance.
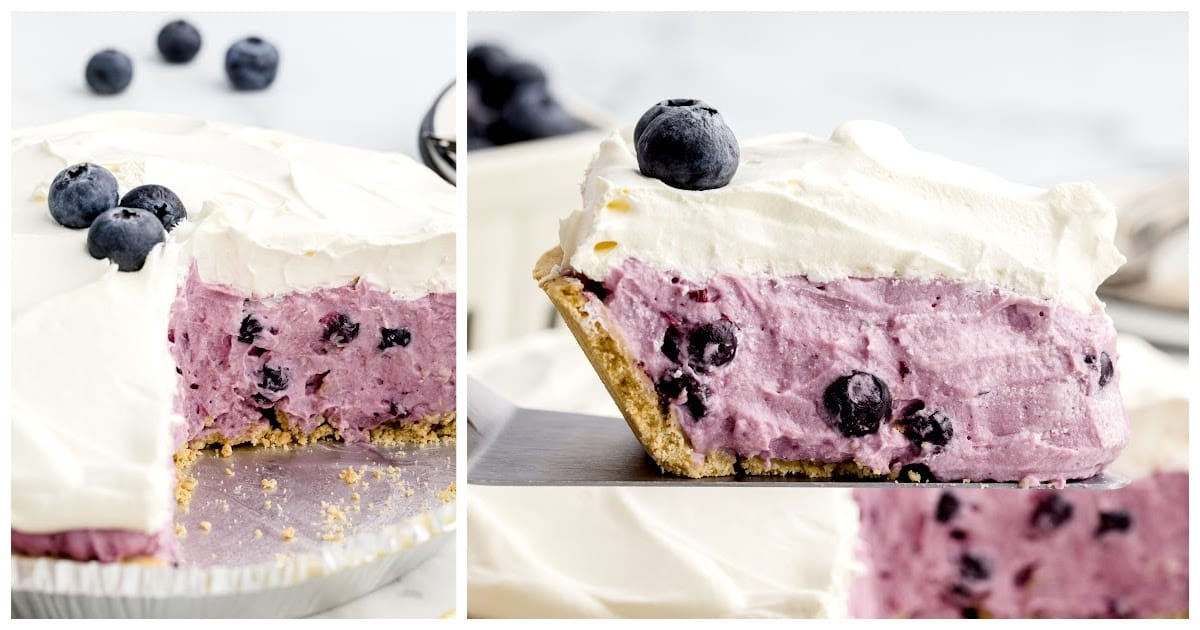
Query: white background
(1034, 97)
(363, 79)
(358, 79)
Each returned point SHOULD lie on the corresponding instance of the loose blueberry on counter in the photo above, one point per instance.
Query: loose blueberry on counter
(339, 328)
(178, 41)
(109, 72)
(528, 114)
(391, 337)
(1052, 512)
(947, 507)
(485, 62)
(1115, 521)
(497, 90)
(712, 345)
(923, 426)
(249, 330)
(79, 193)
(158, 200)
(125, 236)
(251, 63)
(686, 144)
(856, 404)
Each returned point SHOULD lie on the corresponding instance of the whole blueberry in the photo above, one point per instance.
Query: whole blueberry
(125, 236)
(275, 378)
(251, 63)
(79, 193)
(531, 113)
(249, 330)
(486, 61)
(510, 79)
(672, 343)
(674, 384)
(658, 109)
(339, 328)
(922, 426)
(712, 345)
(947, 507)
(392, 337)
(856, 404)
(686, 146)
(1106, 369)
(1051, 512)
(178, 41)
(1114, 521)
(158, 200)
(109, 72)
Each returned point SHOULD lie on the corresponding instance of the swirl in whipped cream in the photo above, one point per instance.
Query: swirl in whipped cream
(862, 204)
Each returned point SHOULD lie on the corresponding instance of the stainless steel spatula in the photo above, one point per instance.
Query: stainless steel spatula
(511, 446)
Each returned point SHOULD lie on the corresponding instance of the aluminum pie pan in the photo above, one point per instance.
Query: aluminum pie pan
(401, 518)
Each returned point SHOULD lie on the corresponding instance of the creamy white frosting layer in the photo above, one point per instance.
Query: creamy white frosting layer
(268, 214)
(715, 552)
(863, 203)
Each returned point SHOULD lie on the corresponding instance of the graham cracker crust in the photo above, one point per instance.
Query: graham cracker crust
(657, 426)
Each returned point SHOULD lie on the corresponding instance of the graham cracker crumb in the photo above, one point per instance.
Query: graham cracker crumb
(334, 513)
(289, 534)
(378, 474)
(180, 530)
(205, 526)
(349, 476)
(228, 472)
(258, 533)
(183, 492)
(334, 537)
(354, 497)
(269, 484)
(226, 450)
(447, 495)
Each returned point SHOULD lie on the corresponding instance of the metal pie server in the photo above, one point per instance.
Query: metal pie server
(511, 446)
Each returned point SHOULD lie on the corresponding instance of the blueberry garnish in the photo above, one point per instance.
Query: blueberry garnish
(674, 384)
(160, 201)
(974, 568)
(109, 72)
(125, 236)
(922, 426)
(251, 63)
(1106, 369)
(1115, 521)
(712, 345)
(79, 193)
(178, 41)
(1052, 511)
(857, 404)
(339, 328)
(390, 337)
(274, 379)
(947, 507)
(686, 144)
(249, 330)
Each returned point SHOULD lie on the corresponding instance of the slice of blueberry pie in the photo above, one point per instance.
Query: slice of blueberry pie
(191, 283)
(849, 306)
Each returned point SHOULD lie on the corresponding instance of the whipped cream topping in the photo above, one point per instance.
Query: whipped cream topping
(863, 203)
(268, 214)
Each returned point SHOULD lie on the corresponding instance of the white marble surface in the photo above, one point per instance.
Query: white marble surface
(363, 80)
(1037, 98)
